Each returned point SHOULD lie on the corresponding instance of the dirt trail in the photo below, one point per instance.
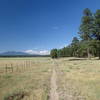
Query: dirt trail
(53, 92)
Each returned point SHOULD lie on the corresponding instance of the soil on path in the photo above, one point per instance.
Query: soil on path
(53, 92)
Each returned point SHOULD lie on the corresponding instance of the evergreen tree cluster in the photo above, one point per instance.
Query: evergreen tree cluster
(88, 45)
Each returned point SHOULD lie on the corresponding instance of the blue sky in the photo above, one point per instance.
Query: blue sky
(40, 24)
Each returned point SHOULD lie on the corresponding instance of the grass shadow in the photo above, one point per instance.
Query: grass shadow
(77, 59)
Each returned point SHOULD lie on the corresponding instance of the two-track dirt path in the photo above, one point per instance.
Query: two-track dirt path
(53, 92)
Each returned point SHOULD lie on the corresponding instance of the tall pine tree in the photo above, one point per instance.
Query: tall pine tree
(86, 29)
(96, 30)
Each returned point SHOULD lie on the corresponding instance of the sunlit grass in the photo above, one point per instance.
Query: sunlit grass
(79, 79)
(33, 80)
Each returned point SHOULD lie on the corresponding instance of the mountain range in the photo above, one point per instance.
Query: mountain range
(15, 53)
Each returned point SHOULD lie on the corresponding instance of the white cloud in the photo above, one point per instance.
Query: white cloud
(44, 52)
(39, 52)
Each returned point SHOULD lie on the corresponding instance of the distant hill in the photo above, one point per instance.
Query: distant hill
(19, 54)
(13, 53)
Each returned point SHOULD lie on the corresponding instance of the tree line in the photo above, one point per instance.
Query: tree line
(88, 43)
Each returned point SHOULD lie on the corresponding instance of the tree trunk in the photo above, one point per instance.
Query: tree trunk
(98, 49)
(88, 53)
(99, 54)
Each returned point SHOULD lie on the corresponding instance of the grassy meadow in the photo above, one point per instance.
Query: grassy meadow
(28, 81)
(77, 79)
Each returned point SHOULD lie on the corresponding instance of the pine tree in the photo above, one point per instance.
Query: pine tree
(86, 28)
(54, 53)
(96, 30)
(75, 46)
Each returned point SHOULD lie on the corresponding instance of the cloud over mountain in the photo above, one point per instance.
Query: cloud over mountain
(38, 52)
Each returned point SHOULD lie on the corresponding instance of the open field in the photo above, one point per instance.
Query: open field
(29, 79)
(79, 79)
(45, 79)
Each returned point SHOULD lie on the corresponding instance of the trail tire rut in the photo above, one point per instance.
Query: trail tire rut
(53, 92)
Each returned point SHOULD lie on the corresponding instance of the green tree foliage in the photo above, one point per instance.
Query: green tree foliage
(89, 43)
(96, 30)
(86, 25)
(54, 53)
(75, 46)
(86, 28)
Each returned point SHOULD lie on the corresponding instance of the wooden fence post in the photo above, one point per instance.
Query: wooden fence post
(17, 67)
(12, 68)
(6, 68)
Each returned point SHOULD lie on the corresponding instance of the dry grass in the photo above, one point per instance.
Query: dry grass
(79, 79)
(29, 82)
